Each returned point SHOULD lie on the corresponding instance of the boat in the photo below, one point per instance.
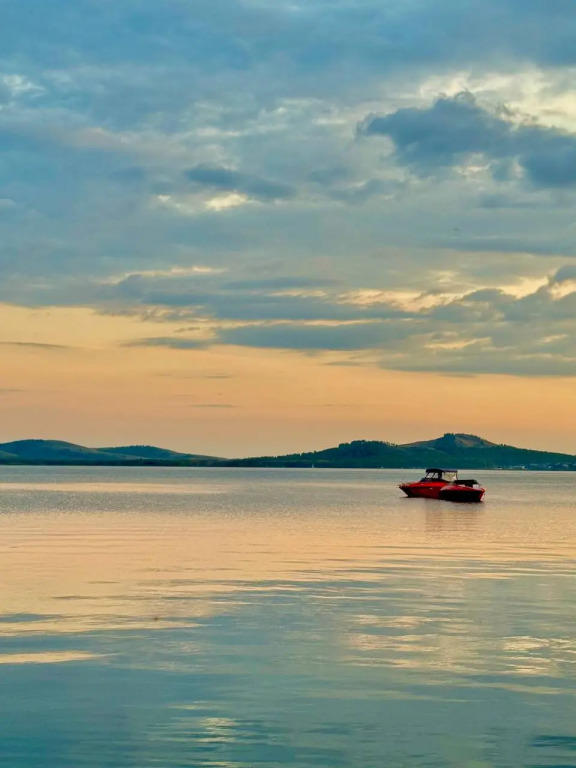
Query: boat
(444, 484)
(463, 491)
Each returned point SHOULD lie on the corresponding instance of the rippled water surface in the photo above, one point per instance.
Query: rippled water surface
(241, 618)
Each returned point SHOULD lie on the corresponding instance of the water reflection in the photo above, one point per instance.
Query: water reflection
(445, 517)
(304, 619)
(47, 657)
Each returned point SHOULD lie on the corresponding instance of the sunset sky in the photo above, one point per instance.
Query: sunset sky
(239, 227)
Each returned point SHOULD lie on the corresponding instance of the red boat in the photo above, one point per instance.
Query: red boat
(444, 484)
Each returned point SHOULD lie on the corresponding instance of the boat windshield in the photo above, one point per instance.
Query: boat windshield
(448, 475)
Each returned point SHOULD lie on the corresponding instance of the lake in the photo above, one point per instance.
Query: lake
(237, 618)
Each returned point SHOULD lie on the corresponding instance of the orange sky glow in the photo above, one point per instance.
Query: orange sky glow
(231, 401)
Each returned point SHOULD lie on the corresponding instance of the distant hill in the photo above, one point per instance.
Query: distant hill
(459, 451)
(151, 452)
(451, 442)
(53, 450)
(452, 450)
(60, 452)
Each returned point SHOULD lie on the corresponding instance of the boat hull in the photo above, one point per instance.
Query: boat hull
(443, 492)
(462, 495)
(422, 490)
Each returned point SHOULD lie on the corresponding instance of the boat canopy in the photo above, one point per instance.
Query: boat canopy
(436, 473)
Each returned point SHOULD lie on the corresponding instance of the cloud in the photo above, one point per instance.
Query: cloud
(565, 274)
(140, 139)
(444, 134)
(226, 180)
(504, 362)
(211, 405)
(509, 244)
(316, 337)
(281, 283)
(454, 131)
(171, 343)
(34, 345)
(188, 375)
(292, 37)
(271, 299)
(487, 330)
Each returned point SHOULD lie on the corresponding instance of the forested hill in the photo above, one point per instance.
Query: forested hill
(61, 452)
(460, 451)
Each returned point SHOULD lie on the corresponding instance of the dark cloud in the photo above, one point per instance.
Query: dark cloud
(510, 201)
(564, 274)
(33, 345)
(281, 283)
(246, 300)
(211, 405)
(476, 360)
(193, 375)
(330, 176)
(171, 343)
(482, 331)
(316, 337)
(444, 134)
(509, 244)
(543, 306)
(453, 130)
(129, 175)
(287, 39)
(548, 157)
(223, 179)
(258, 307)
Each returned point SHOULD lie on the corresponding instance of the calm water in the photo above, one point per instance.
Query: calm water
(241, 618)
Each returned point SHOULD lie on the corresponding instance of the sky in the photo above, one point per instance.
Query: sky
(244, 227)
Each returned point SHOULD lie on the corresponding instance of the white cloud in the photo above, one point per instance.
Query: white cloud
(19, 85)
(223, 202)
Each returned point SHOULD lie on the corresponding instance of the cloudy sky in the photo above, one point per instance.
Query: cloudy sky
(259, 226)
